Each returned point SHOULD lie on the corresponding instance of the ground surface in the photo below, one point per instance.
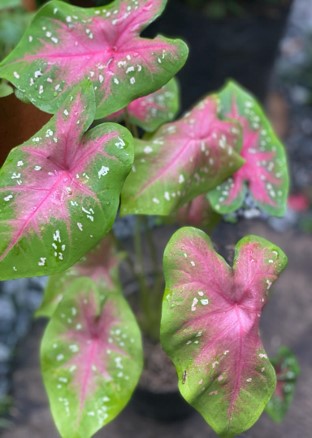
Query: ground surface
(286, 320)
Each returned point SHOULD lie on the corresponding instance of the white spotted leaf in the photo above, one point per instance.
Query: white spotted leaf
(59, 191)
(210, 326)
(265, 172)
(180, 161)
(151, 111)
(100, 264)
(65, 44)
(91, 358)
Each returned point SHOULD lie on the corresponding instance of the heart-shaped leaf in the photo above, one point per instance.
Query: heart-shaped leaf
(91, 358)
(287, 371)
(180, 161)
(210, 326)
(265, 171)
(59, 191)
(151, 111)
(65, 44)
(100, 264)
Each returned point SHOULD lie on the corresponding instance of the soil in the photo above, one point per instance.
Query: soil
(159, 374)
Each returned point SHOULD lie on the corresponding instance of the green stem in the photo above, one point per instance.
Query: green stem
(149, 297)
(131, 126)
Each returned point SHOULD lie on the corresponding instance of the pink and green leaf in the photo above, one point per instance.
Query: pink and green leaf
(180, 161)
(151, 111)
(91, 358)
(65, 44)
(265, 172)
(59, 191)
(287, 371)
(197, 213)
(210, 326)
(100, 264)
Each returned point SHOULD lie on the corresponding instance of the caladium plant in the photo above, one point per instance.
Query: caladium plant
(65, 44)
(60, 185)
(210, 326)
(265, 172)
(60, 192)
(287, 371)
(181, 160)
(151, 111)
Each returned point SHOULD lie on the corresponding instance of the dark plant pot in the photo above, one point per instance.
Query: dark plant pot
(242, 48)
(166, 406)
(19, 121)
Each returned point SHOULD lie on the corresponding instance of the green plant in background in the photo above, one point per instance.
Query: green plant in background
(60, 193)
(13, 22)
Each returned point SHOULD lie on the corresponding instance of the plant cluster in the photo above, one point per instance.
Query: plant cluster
(60, 193)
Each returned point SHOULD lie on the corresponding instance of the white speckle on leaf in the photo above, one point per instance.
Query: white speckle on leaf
(16, 75)
(167, 196)
(263, 356)
(194, 303)
(57, 236)
(103, 171)
(42, 261)
(120, 144)
(148, 149)
(60, 357)
(74, 348)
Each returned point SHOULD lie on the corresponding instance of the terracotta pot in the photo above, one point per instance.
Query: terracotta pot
(29, 5)
(19, 121)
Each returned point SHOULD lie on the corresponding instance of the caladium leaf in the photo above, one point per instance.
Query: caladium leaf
(65, 44)
(287, 371)
(265, 171)
(100, 264)
(151, 111)
(180, 161)
(59, 191)
(210, 326)
(5, 89)
(198, 213)
(91, 358)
